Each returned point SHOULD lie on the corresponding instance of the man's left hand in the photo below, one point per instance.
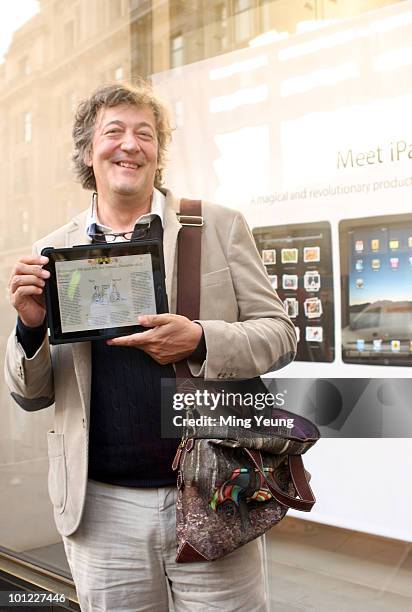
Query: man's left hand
(171, 337)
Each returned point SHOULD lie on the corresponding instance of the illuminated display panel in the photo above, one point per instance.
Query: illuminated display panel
(298, 260)
(376, 264)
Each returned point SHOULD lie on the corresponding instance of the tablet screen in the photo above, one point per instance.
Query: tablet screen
(376, 265)
(99, 291)
(298, 260)
(110, 294)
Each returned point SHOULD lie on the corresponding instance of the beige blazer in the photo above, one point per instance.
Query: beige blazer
(246, 329)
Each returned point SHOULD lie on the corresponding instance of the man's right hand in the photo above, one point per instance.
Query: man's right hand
(26, 289)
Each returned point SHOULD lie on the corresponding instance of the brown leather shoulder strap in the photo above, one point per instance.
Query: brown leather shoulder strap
(299, 478)
(188, 267)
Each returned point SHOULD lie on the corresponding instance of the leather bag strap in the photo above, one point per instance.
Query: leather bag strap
(188, 267)
(188, 305)
(299, 478)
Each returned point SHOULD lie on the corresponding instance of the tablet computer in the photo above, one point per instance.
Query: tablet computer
(97, 291)
(376, 287)
(298, 260)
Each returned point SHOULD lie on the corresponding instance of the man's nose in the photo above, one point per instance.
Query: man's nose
(130, 143)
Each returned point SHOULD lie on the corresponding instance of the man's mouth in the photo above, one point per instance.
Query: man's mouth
(130, 165)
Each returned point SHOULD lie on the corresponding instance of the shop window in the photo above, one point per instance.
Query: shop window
(25, 221)
(21, 177)
(79, 24)
(243, 26)
(63, 163)
(65, 106)
(115, 7)
(219, 29)
(69, 36)
(27, 119)
(265, 21)
(24, 66)
(23, 127)
(100, 15)
(72, 100)
(177, 51)
(59, 111)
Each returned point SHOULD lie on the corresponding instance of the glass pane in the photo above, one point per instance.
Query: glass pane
(54, 54)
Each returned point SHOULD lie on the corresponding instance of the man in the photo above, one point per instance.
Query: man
(110, 478)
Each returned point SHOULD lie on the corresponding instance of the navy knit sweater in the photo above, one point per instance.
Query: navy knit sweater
(125, 446)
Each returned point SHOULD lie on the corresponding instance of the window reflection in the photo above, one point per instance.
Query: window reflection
(57, 56)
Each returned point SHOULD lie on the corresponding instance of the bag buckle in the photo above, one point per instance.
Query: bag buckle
(190, 220)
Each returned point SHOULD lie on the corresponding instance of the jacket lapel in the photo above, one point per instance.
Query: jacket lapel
(76, 234)
(81, 350)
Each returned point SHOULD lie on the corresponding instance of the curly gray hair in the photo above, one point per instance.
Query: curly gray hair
(108, 96)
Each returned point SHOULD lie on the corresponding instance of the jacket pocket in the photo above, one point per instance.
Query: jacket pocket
(218, 297)
(218, 277)
(57, 479)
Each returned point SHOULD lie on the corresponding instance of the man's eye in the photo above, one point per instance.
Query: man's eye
(145, 134)
(114, 131)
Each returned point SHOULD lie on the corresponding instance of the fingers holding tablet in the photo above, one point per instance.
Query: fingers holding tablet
(26, 286)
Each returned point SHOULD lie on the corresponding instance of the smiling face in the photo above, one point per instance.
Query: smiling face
(124, 152)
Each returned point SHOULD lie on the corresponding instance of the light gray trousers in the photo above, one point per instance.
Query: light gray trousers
(122, 559)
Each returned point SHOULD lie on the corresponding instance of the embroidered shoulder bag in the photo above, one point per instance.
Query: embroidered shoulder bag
(231, 490)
